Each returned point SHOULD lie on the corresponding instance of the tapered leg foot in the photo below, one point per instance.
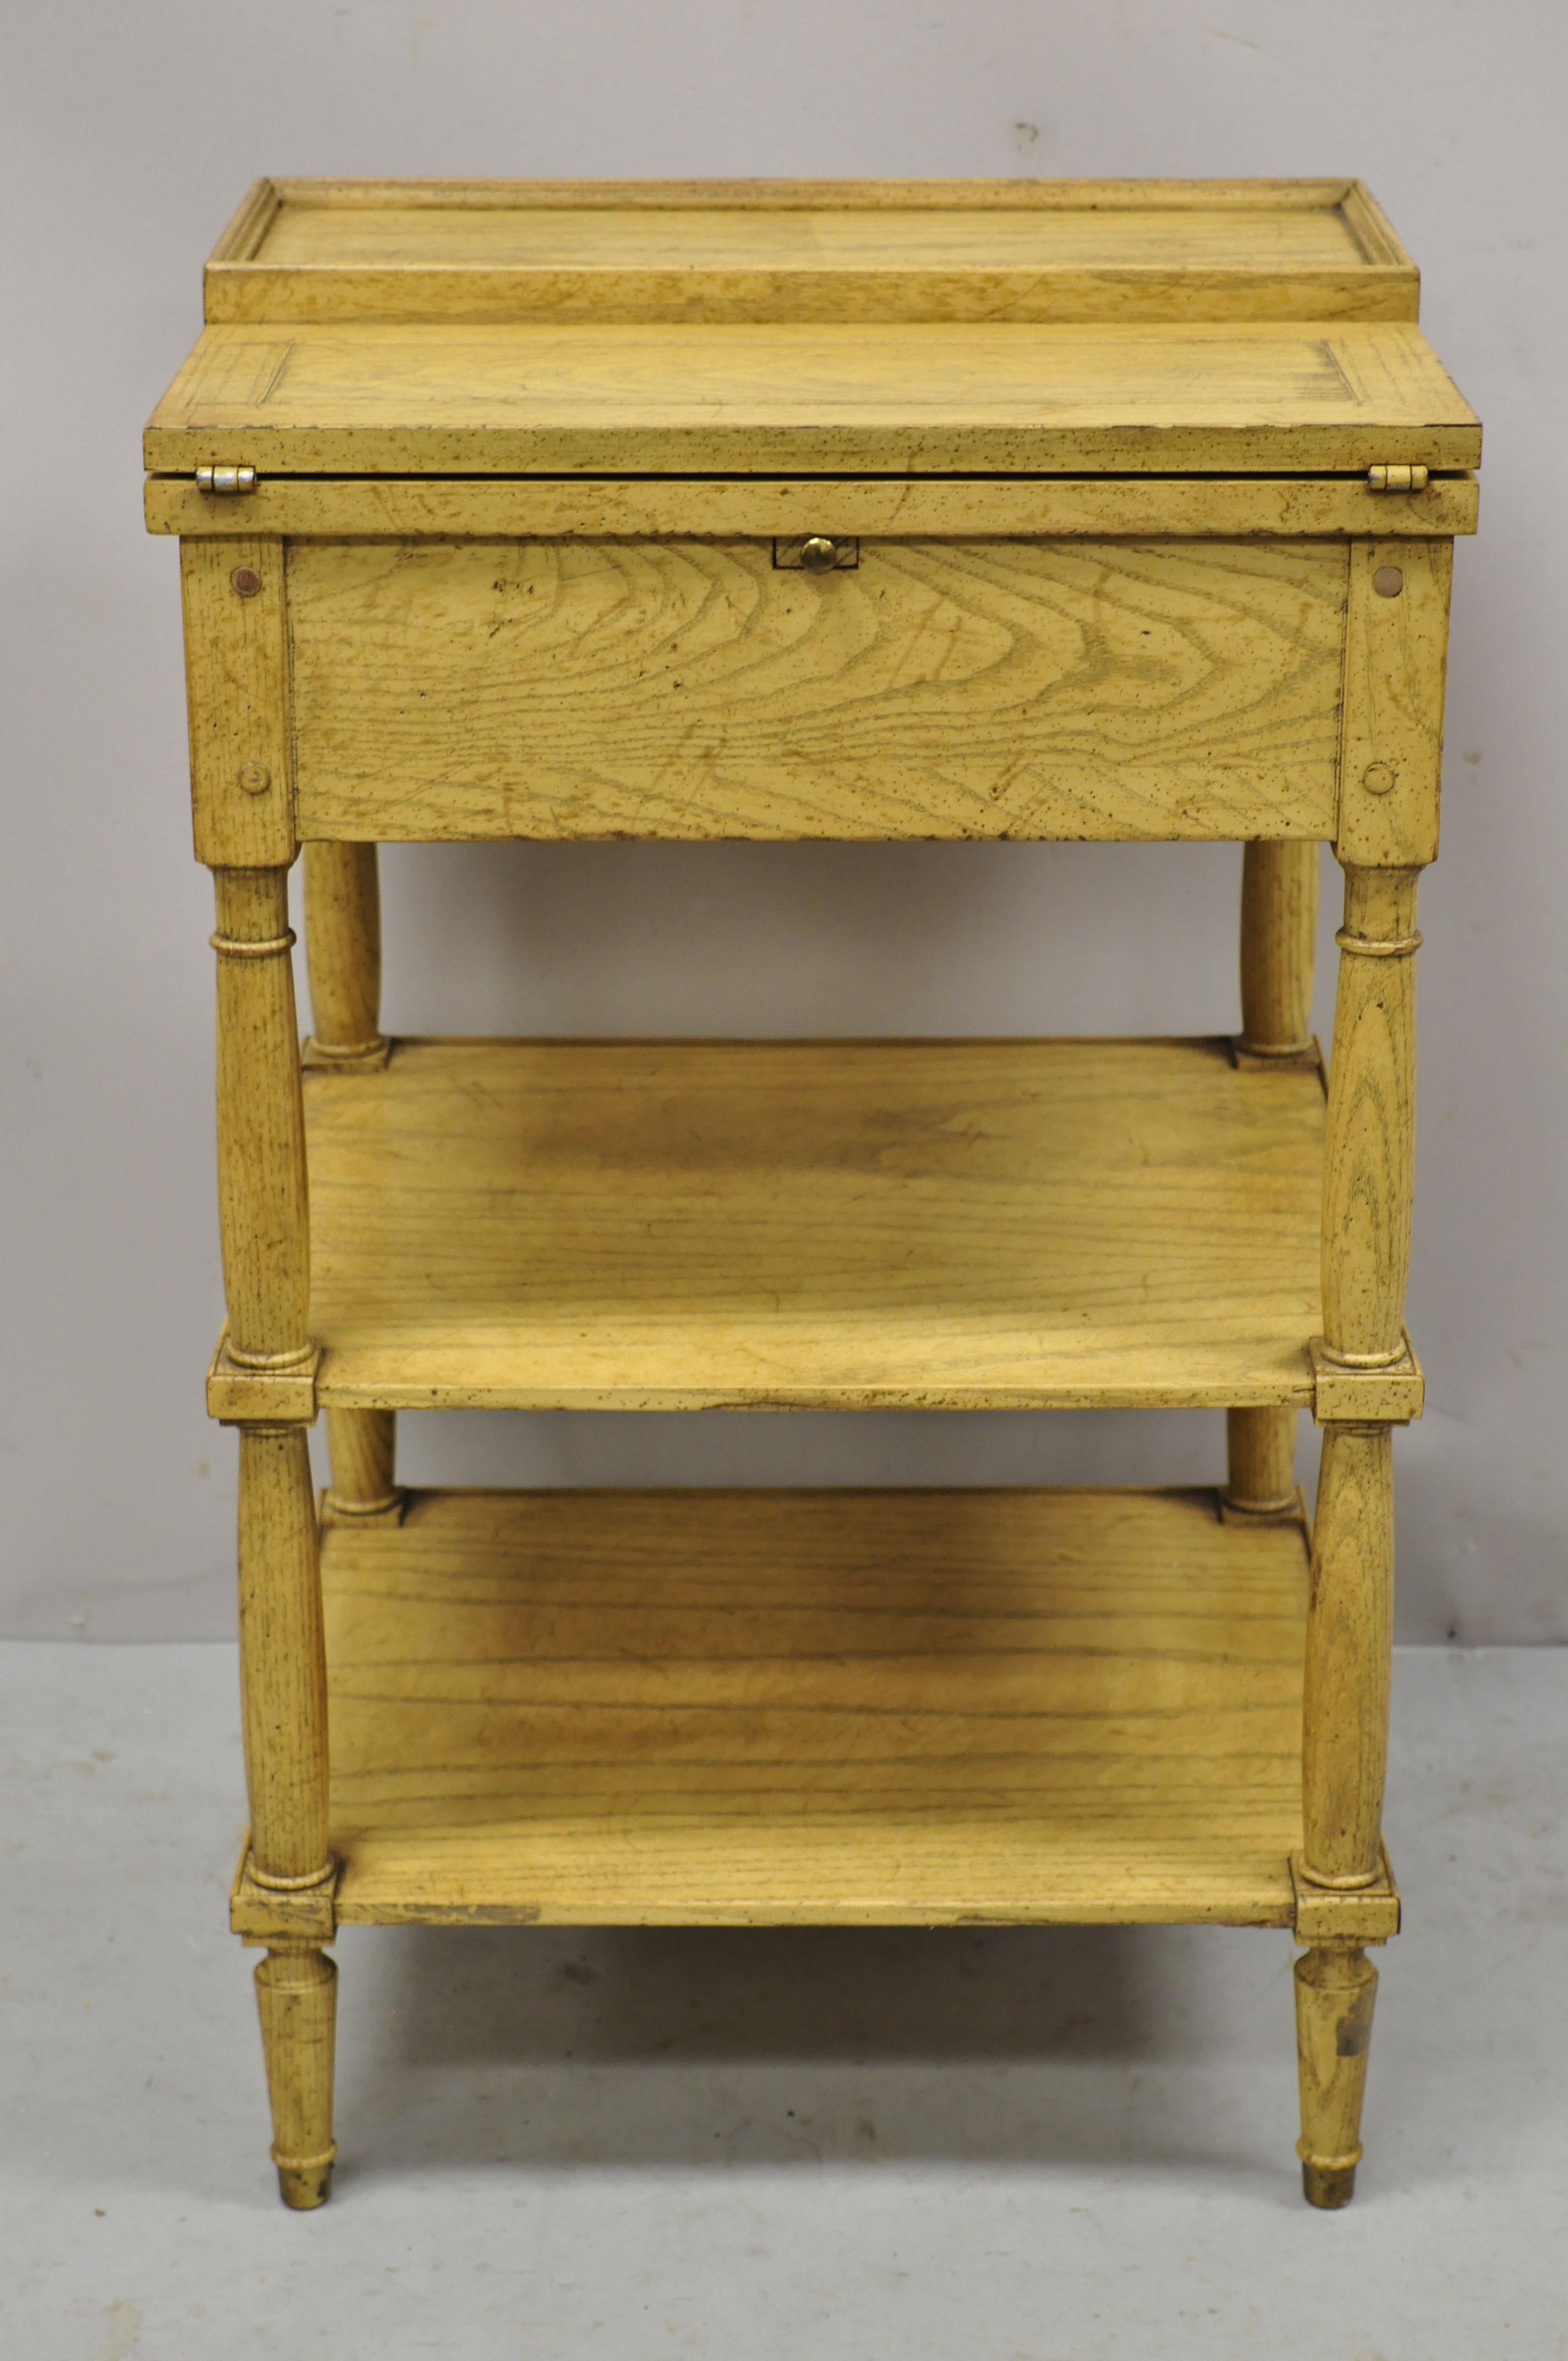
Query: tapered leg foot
(296, 1995)
(1335, 1987)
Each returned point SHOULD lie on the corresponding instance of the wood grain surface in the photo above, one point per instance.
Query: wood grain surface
(815, 1224)
(766, 1706)
(263, 1192)
(1394, 674)
(343, 952)
(1349, 1660)
(904, 399)
(492, 508)
(1369, 1173)
(296, 1999)
(1279, 948)
(857, 252)
(941, 688)
(1260, 1462)
(282, 1678)
(1336, 1986)
(236, 698)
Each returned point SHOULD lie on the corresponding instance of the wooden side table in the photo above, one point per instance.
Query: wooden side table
(1006, 511)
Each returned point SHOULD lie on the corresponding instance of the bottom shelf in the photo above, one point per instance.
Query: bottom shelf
(759, 1708)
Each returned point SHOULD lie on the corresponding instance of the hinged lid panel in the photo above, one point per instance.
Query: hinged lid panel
(853, 251)
(902, 400)
(811, 328)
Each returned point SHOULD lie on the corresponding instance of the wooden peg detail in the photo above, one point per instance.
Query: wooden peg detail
(1369, 1152)
(296, 1998)
(282, 1660)
(1391, 719)
(362, 1443)
(1261, 1451)
(343, 952)
(236, 678)
(1336, 1985)
(1279, 946)
(1350, 1620)
(263, 1206)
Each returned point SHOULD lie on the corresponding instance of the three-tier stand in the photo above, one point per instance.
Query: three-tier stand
(953, 510)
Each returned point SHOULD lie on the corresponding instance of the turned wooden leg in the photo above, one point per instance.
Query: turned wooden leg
(1279, 948)
(343, 953)
(1345, 1752)
(1368, 1168)
(283, 1700)
(1367, 1187)
(1278, 943)
(263, 1203)
(1350, 1630)
(283, 1660)
(296, 1997)
(362, 1443)
(1261, 1454)
(1336, 1984)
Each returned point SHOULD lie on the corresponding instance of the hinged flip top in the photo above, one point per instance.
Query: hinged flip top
(999, 328)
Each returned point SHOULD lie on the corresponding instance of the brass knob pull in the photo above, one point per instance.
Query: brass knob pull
(818, 552)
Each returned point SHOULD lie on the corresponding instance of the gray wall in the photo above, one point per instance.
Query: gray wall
(129, 134)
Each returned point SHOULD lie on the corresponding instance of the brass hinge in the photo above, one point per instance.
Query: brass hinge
(1396, 479)
(225, 483)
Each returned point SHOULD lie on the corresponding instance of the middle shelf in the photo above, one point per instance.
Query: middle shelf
(952, 1224)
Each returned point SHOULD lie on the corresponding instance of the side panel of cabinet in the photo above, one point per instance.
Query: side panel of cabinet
(939, 688)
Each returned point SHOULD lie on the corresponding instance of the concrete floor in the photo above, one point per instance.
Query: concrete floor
(1008, 2145)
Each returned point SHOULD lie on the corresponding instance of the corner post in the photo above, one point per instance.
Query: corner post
(263, 1202)
(1350, 1621)
(362, 1445)
(343, 952)
(1279, 952)
(284, 1710)
(242, 799)
(1279, 947)
(1350, 1625)
(1389, 781)
(1369, 1154)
